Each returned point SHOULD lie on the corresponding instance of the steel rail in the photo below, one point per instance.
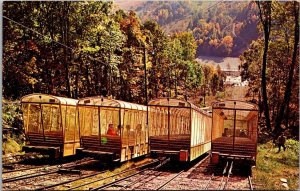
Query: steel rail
(33, 173)
(138, 180)
(100, 179)
(208, 182)
(36, 174)
(250, 182)
(221, 182)
(22, 177)
(153, 172)
(119, 180)
(229, 173)
(112, 183)
(168, 181)
(178, 174)
(69, 181)
(224, 172)
(24, 169)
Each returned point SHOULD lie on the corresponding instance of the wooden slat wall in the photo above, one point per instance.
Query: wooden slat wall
(200, 134)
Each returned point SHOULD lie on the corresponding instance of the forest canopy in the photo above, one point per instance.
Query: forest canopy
(221, 28)
(79, 49)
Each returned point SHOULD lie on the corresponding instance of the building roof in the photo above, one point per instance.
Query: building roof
(244, 110)
(45, 98)
(165, 102)
(105, 102)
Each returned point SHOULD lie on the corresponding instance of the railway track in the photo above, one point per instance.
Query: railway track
(50, 180)
(43, 172)
(239, 183)
(27, 161)
(131, 171)
(228, 181)
(151, 179)
(216, 182)
(70, 181)
(36, 174)
(17, 158)
(228, 176)
(141, 172)
(168, 181)
(25, 169)
(160, 177)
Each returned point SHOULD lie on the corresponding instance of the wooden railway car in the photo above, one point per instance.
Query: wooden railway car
(178, 129)
(234, 130)
(50, 124)
(112, 130)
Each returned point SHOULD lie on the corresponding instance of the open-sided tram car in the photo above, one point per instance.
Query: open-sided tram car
(50, 124)
(234, 131)
(112, 130)
(178, 129)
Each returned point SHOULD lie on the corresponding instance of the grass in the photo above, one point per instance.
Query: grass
(271, 166)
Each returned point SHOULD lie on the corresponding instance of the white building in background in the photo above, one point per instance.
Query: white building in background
(245, 83)
(233, 80)
(229, 66)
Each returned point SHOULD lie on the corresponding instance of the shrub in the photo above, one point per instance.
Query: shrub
(11, 146)
(291, 154)
(12, 118)
(220, 95)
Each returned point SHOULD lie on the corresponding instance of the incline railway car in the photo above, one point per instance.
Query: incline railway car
(234, 131)
(178, 129)
(112, 130)
(50, 124)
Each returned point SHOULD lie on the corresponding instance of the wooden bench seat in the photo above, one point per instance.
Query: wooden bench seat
(47, 140)
(173, 143)
(242, 146)
(107, 143)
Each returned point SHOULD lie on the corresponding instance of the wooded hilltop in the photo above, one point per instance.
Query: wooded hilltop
(80, 49)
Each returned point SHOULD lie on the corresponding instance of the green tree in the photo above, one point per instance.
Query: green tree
(283, 43)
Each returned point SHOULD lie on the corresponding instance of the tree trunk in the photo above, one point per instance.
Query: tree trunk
(79, 66)
(288, 90)
(175, 84)
(265, 17)
(88, 84)
(53, 53)
(65, 40)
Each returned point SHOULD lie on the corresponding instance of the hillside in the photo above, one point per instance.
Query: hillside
(220, 28)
